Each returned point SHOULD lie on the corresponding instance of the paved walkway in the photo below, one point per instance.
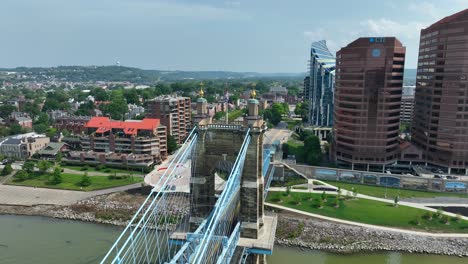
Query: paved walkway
(98, 173)
(367, 225)
(28, 196)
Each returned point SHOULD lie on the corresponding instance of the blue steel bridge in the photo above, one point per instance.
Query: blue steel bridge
(206, 225)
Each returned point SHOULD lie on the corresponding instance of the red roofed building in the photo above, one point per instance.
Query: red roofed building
(133, 143)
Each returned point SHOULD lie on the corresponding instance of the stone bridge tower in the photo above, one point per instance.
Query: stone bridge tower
(217, 147)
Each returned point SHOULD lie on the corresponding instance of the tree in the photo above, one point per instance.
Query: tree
(43, 166)
(100, 94)
(28, 166)
(85, 180)
(117, 107)
(132, 96)
(56, 176)
(42, 118)
(171, 144)
(313, 151)
(395, 201)
(7, 169)
(6, 110)
(21, 175)
(15, 129)
(59, 157)
(40, 128)
(51, 131)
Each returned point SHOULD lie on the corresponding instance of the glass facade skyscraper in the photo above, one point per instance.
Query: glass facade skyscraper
(322, 79)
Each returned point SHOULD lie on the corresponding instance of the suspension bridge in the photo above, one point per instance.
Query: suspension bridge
(206, 222)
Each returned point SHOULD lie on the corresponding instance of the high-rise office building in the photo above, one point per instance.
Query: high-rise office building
(174, 112)
(306, 89)
(440, 122)
(320, 88)
(407, 105)
(369, 80)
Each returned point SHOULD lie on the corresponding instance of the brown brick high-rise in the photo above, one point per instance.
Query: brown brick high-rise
(368, 87)
(440, 122)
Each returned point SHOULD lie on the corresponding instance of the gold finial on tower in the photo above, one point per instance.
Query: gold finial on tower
(253, 93)
(201, 92)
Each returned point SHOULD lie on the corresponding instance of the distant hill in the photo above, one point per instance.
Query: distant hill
(136, 75)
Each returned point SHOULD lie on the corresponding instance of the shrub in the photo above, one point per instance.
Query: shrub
(100, 167)
(84, 168)
(320, 204)
(85, 180)
(445, 219)
(324, 196)
(439, 212)
(21, 175)
(107, 170)
(418, 220)
(395, 201)
(428, 216)
(7, 169)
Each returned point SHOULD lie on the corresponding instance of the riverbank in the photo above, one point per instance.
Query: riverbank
(292, 230)
(114, 209)
(310, 233)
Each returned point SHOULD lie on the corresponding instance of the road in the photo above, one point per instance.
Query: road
(280, 132)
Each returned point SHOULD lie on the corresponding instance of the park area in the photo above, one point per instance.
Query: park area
(45, 174)
(74, 182)
(369, 211)
(390, 193)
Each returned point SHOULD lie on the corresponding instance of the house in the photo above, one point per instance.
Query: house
(51, 150)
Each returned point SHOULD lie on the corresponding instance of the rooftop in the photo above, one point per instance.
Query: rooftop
(129, 127)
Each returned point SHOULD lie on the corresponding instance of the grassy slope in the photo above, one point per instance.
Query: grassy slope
(70, 182)
(92, 169)
(368, 212)
(377, 191)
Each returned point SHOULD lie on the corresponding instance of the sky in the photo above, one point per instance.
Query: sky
(239, 35)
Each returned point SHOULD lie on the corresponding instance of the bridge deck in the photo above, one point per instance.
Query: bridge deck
(262, 245)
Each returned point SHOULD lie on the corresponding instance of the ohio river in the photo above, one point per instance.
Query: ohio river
(40, 240)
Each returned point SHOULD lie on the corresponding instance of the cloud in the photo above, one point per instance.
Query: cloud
(387, 27)
(426, 8)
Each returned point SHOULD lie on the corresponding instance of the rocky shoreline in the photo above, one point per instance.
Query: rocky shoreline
(318, 234)
(292, 230)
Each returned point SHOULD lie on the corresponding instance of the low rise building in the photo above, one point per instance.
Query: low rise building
(22, 146)
(134, 143)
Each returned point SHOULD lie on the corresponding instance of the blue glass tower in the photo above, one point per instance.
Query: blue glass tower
(322, 82)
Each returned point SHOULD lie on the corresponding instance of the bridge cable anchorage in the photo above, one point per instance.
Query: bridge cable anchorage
(129, 233)
(221, 205)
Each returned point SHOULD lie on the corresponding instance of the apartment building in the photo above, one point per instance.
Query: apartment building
(23, 146)
(134, 143)
(173, 112)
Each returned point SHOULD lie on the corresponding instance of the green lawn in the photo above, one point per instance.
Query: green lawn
(106, 170)
(292, 123)
(70, 182)
(377, 191)
(368, 212)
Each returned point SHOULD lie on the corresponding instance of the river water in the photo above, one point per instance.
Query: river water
(40, 240)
